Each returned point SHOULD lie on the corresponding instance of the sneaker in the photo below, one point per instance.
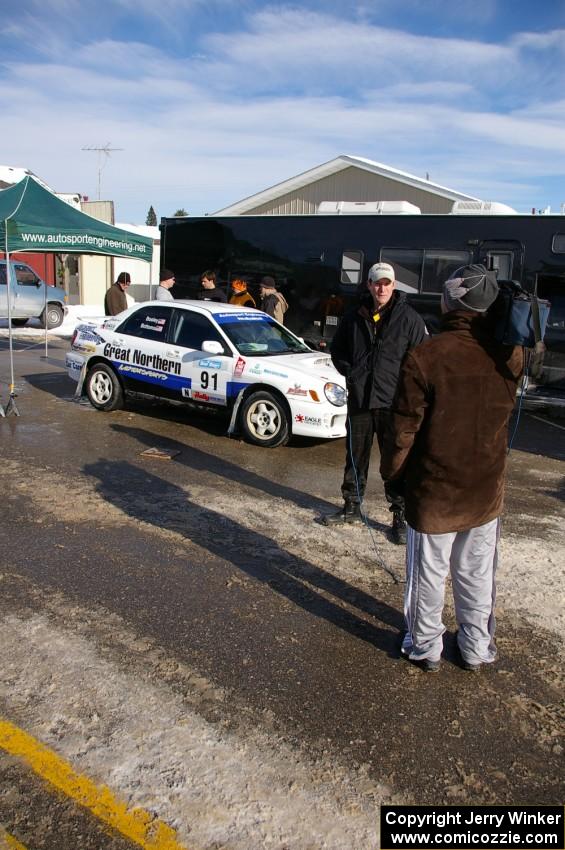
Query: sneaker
(426, 665)
(469, 667)
(398, 530)
(350, 514)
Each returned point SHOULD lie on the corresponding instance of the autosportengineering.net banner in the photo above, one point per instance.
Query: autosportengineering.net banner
(472, 827)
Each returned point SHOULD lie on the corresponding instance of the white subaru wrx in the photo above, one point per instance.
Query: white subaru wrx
(209, 354)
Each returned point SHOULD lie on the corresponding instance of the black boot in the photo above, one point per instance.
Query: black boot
(350, 514)
(398, 530)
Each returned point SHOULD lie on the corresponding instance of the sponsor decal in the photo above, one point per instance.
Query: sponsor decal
(89, 336)
(153, 323)
(274, 372)
(210, 364)
(198, 395)
(145, 373)
(296, 390)
(239, 366)
(87, 348)
(308, 420)
(185, 392)
(256, 316)
(138, 358)
(256, 370)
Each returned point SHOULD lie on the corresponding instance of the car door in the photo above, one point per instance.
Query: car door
(207, 374)
(141, 354)
(29, 291)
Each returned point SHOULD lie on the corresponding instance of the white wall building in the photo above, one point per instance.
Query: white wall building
(346, 178)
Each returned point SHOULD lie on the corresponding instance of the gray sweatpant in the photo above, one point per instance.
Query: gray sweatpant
(472, 558)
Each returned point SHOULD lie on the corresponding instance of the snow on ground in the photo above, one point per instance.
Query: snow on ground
(217, 788)
(77, 313)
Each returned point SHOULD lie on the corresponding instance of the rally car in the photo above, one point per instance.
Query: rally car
(212, 355)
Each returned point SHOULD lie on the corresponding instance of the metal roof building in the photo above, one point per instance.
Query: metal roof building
(346, 178)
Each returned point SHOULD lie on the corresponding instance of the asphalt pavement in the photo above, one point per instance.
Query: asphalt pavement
(209, 577)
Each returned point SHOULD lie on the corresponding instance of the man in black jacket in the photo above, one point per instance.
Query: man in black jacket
(209, 291)
(368, 349)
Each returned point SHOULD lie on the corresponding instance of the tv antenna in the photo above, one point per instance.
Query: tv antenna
(103, 152)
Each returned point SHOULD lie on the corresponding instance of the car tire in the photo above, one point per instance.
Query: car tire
(103, 388)
(52, 317)
(264, 420)
(19, 323)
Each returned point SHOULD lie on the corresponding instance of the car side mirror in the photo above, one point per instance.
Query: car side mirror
(212, 346)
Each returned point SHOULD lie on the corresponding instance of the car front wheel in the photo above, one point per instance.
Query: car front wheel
(52, 316)
(264, 420)
(103, 388)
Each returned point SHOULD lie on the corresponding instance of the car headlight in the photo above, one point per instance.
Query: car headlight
(335, 394)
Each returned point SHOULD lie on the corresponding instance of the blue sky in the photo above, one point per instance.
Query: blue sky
(214, 100)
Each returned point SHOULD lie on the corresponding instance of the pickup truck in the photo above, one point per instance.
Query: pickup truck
(31, 298)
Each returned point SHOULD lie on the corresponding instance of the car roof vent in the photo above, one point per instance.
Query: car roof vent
(481, 208)
(367, 208)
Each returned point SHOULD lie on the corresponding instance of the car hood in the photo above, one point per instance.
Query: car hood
(310, 364)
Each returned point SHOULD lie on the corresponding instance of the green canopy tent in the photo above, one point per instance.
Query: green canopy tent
(33, 219)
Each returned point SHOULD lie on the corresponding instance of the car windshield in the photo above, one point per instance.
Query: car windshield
(260, 337)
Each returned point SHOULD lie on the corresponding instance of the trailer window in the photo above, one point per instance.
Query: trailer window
(351, 267)
(502, 263)
(407, 264)
(558, 245)
(439, 265)
(553, 289)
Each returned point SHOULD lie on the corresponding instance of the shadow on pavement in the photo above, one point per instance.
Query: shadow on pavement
(126, 487)
(203, 461)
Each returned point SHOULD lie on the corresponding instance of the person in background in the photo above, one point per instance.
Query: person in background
(209, 291)
(272, 302)
(368, 348)
(115, 300)
(166, 283)
(240, 295)
(448, 442)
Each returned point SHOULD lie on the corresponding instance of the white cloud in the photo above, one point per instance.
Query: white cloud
(239, 111)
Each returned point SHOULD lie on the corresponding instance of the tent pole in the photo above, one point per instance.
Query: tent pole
(45, 314)
(11, 406)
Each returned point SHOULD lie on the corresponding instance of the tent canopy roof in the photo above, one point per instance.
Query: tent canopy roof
(34, 219)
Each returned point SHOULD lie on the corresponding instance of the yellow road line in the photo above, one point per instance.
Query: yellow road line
(136, 824)
(8, 842)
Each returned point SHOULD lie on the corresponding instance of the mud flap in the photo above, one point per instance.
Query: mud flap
(232, 427)
(80, 382)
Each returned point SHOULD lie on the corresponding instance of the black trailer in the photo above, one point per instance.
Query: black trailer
(319, 261)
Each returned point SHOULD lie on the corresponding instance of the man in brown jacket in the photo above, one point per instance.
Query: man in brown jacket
(448, 440)
(115, 300)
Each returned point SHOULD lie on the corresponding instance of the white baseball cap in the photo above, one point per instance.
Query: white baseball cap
(379, 271)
